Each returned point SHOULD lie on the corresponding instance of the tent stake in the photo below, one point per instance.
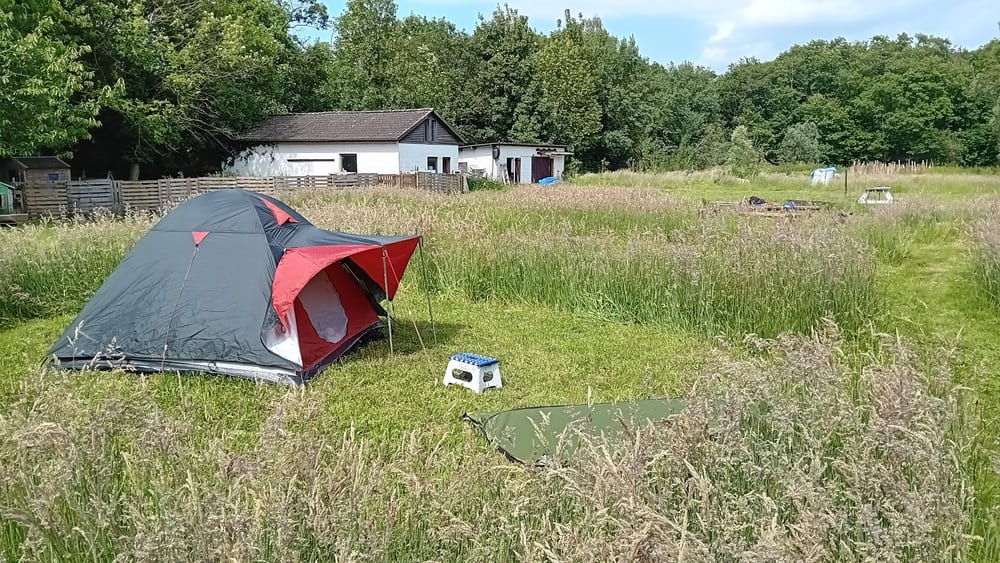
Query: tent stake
(427, 289)
(385, 282)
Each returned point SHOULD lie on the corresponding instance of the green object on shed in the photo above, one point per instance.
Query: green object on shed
(6, 199)
(542, 435)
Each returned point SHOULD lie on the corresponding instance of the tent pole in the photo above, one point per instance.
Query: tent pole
(427, 289)
(385, 282)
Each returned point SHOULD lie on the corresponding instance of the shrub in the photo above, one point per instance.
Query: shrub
(744, 159)
(482, 183)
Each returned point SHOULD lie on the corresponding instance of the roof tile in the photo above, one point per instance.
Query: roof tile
(385, 126)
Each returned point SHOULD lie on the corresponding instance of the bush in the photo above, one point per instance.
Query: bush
(744, 159)
(482, 183)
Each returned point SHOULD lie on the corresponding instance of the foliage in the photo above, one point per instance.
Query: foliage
(567, 93)
(743, 159)
(169, 82)
(46, 93)
(367, 43)
(482, 183)
(800, 144)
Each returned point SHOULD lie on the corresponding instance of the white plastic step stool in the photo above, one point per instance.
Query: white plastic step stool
(473, 371)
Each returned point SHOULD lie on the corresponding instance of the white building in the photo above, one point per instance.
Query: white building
(338, 142)
(519, 163)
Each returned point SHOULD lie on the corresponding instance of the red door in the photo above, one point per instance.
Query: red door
(541, 167)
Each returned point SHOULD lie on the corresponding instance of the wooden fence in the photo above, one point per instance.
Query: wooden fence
(116, 195)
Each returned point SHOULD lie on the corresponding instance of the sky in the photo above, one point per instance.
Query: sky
(715, 33)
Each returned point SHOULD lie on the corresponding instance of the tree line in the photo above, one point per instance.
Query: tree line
(159, 86)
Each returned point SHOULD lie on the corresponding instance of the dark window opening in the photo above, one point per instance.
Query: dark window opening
(510, 169)
(53, 176)
(432, 163)
(349, 163)
(446, 164)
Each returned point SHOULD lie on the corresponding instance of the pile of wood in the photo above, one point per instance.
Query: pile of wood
(757, 207)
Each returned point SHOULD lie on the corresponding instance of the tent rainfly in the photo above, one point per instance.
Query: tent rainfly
(235, 282)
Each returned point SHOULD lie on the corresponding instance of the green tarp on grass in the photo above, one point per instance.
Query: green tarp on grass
(541, 435)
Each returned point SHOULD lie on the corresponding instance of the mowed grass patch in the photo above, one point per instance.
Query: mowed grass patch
(547, 357)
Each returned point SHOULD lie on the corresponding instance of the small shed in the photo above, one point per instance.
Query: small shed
(34, 169)
(514, 163)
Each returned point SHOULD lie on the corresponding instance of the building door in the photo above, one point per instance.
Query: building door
(517, 170)
(446, 164)
(541, 167)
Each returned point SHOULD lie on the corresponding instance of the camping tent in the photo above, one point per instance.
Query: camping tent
(236, 282)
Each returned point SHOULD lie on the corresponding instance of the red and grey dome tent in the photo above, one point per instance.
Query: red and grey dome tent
(236, 282)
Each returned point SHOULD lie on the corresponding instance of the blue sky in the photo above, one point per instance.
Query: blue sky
(715, 33)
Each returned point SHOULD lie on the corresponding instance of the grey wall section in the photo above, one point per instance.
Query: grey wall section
(442, 136)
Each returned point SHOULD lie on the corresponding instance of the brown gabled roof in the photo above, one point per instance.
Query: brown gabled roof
(40, 162)
(340, 126)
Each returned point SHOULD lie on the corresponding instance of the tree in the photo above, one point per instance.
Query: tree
(568, 94)
(744, 159)
(191, 73)
(622, 88)
(366, 47)
(686, 109)
(46, 96)
(431, 66)
(501, 94)
(800, 144)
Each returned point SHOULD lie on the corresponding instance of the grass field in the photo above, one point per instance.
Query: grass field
(854, 350)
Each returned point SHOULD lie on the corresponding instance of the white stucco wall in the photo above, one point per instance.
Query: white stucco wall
(314, 159)
(481, 157)
(414, 156)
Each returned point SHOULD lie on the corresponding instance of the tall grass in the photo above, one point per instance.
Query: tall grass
(626, 254)
(986, 234)
(54, 267)
(721, 276)
(800, 458)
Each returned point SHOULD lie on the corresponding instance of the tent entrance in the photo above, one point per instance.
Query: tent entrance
(327, 316)
(331, 312)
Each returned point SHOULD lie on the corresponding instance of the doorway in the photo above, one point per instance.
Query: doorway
(541, 167)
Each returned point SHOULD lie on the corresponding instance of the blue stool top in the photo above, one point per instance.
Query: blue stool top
(475, 359)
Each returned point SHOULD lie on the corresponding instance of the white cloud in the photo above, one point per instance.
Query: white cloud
(722, 31)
